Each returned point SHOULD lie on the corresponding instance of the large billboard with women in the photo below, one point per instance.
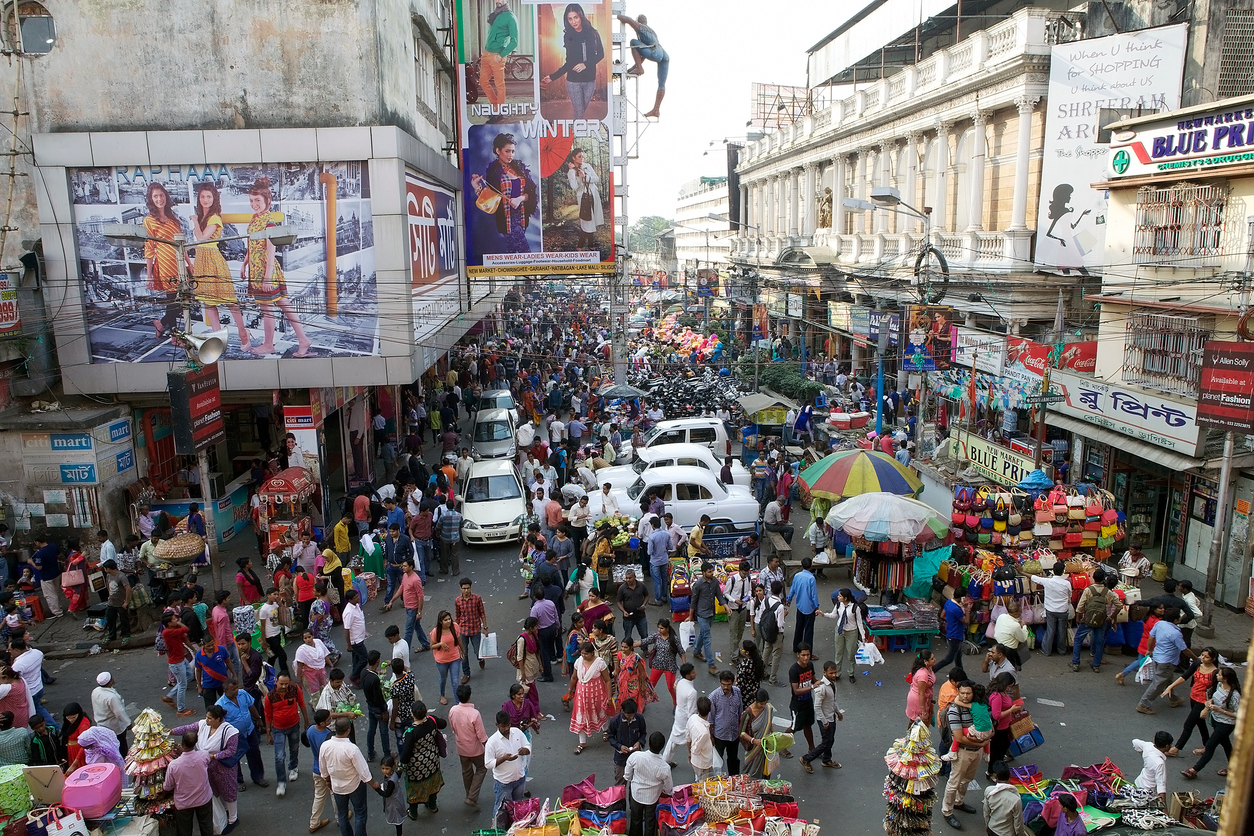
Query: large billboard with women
(316, 297)
(535, 92)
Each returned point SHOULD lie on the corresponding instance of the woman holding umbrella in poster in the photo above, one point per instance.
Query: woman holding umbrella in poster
(508, 191)
(163, 259)
(584, 51)
(265, 277)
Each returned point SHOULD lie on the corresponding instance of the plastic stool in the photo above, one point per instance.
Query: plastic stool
(922, 641)
(899, 643)
(882, 643)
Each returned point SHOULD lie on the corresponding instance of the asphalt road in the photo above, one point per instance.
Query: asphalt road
(1084, 718)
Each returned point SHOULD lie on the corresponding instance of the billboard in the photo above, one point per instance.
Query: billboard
(1224, 399)
(537, 159)
(1152, 418)
(435, 253)
(1204, 141)
(314, 298)
(195, 409)
(1135, 73)
(10, 316)
(930, 338)
(980, 350)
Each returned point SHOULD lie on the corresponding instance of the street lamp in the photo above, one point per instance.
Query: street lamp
(202, 350)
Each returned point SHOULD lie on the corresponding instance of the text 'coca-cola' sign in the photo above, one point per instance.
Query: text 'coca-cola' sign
(1225, 399)
(195, 409)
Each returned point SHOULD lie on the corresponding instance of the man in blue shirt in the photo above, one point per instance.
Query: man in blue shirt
(47, 563)
(704, 593)
(241, 713)
(955, 628)
(659, 561)
(397, 548)
(396, 516)
(725, 710)
(317, 735)
(1165, 647)
(804, 593)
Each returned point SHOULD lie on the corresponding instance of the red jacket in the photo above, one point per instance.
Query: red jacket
(283, 713)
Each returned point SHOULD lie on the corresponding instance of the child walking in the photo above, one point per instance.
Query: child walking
(392, 792)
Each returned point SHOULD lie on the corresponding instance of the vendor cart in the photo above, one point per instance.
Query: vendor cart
(285, 506)
(765, 416)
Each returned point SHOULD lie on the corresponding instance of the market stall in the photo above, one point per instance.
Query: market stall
(285, 506)
(764, 416)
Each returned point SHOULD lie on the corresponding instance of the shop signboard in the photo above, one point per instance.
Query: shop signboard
(323, 284)
(760, 326)
(876, 318)
(796, 306)
(1132, 72)
(985, 352)
(930, 338)
(994, 461)
(78, 458)
(1203, 141)
(707, 283)
(838, 316)
(1152, 418)
(536, 99)
(196, 409)
(1225, 399)
(10, 316)
(776, 302)
(434, 253)
(860, 324)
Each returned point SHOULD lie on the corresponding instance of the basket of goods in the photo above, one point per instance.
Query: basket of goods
(182, 548)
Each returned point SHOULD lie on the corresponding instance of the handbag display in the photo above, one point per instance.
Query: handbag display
(55, 821)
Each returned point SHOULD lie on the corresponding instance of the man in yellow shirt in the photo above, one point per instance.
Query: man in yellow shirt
(696, 548)
(340, 536)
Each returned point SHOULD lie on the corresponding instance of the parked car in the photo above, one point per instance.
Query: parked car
(667, 455)
(708, 432)
(500, 399)
(493, 503)
(493, 435)
(689, 492)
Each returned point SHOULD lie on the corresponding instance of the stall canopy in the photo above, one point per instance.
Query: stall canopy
(293, 485)
(756, 403)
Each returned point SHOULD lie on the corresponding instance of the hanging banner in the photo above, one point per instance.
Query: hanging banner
(985, 352)
(1225, 398)
(760, 326)
(434, 252)
(930, 337)
(1135, 73)
(535, 97)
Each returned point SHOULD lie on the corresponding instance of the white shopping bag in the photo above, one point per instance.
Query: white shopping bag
(487, 647)
(1145, 673)
(868, 654)
(687, 634)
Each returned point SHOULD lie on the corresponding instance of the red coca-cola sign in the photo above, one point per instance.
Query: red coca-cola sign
(1031, 355)
(1079, 357)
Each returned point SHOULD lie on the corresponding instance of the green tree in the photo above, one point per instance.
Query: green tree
(643, 234)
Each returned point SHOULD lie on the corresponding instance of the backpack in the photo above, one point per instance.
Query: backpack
(511, 654)
(1094, 613)
(769, 625)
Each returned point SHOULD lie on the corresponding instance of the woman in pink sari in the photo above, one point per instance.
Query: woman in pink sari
(77, 563)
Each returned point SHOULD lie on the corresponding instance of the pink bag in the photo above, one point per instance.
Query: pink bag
(608, 797)
(998, 610)
(574, 794)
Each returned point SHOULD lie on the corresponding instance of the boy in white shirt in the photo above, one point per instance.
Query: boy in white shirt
(1153, 775)
(700, 744)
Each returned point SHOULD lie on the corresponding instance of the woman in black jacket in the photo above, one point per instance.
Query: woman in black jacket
(584, 51)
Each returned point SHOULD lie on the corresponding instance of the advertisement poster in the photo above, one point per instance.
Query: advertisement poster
(10, 318)
(930, 338)
(536, 147)
(983, 351)
(1225, 398)
(1131, 74)
(435, 246)
(314, 298)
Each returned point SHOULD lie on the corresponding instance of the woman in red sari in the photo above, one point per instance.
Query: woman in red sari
(76, 593)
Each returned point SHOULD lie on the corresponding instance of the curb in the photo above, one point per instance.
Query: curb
(75, 650)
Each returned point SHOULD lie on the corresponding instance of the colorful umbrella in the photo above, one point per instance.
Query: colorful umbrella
(885, 516)
(854, 472)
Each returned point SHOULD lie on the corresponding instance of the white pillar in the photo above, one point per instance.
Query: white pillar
(777, 213)
(794, 201)
(940, 176)
(839, 174)
(979, 142)
(810, 206)
(910, 177)
(885, 152)
(743, 215)
(1019, 204)
(860, 225)
(759, 208)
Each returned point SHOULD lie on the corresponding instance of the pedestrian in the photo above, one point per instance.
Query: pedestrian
(187, 778)
(1165, 648)
(774, 519)
(755, 724)
(766, 623)
(527, 661)
(468, 731)
(397, 548)
(956, 612)
(1223, 704)
(220, 741)
(590, 688)
(1003, 705)
(1153, 775)
(311, 661)
(726, 706)
(472, 624)
(354, 622)
(503, 754)
(212, 668)
(963, 768)
(73, 723)
(997, 662)
(447, 650)
(108, 709)
(665, 655)
(450, 538)
(1095, 611)
(659, 561)
(750, 670)
(46, 561)
(685, 707)
(548, 630)
(850, 631)
(376, 704)
(648, 777)
(345, 768)
(631, 598)
(626, 735)
(420, 759)
(118, 592)
(1204, 672)
(272, 630)
(285, 715)
(393, 796)
(317, 734)
(705, 593)
(1010, 632)
(241, 713)
(1003, 809)
(737, 594)
(220, 626)
(1070, 822)
(804, 595)
(1156, 613)
(922, 695)
(827, 712)
(700, 742)
(410, 590)
(174, 634)
(1057, 606)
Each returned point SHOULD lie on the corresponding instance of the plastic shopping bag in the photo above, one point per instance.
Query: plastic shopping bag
(1145, 673)
(868, 654)
(687, 634)
(487, 647)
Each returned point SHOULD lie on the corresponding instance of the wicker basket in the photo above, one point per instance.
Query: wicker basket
(181, 549)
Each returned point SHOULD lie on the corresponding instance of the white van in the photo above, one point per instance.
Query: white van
(708, 432)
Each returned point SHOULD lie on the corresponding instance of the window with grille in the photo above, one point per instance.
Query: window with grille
(1179, 223)
(1236, 57)
(1164, 352)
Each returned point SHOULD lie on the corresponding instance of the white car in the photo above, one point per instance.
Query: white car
(689, 492)
(500, 399)
(493, 503)
(668, 455)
